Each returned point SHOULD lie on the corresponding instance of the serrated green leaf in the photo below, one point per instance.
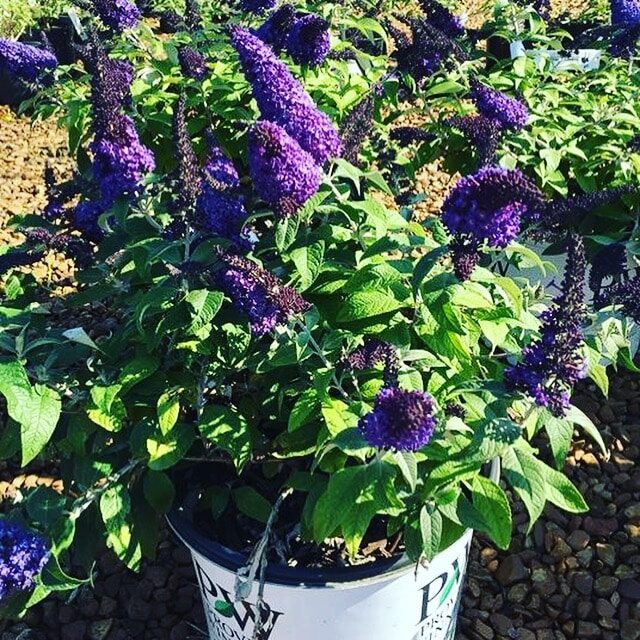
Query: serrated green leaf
(523, 472)
(490, 500)
(168, 411)
(228, 430)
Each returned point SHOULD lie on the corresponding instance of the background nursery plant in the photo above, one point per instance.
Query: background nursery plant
(270, 318)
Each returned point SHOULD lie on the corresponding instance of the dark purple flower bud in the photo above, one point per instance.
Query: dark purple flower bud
(465, 255)
(542, 6)
(23, 555)
(221, 209)
(343, 54)
(625, 13)
(84, 218)
(118, 14)
(192, 14)
(552, 364)
(171, 22)
(309, 41)
(410, 135)
(16, 258)
(609, 262)
(624, 43)
(284, 175)
(401, 420)
(189, 181)
(120, 161)
(507, 112)
(455, 410)
(441, 18)
(24, 60)
(372, 353)
(357, 127)
(482, 132)
(257, 293)
(192, 63)
(258, 6)
(275, 30)
(627, 295)
(488, 206)
(282, 99)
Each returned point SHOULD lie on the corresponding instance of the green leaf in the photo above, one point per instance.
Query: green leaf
(408, 463)
(583, 420)
(115, 508)
(219, 500)
(158, 490)
(523, 472)
(135, 371)
(425, 265)
(107, 408)
(228, 430)
(45, 507)
(205, 305)
(168, 411)
(252, 504)
(490, 500)
(560, 432)
(165, 451)
(561, 492)
(431, 530)
(286, 231)
(368, 304)
(308, 261)
(303, 410)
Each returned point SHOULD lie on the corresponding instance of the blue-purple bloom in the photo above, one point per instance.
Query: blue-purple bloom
(441, 18)
(401, 420)
(627, 295)
(23, 555)
(118, 14)
(284, 175)
(482, 132)
(221, 208)
(282, 99)
(625, 13)
(192, 63)
(188, 178)
(552, 364)
(372, 353)
(609, 262)
(258, 6)
(507, 112)
(257, 293)
(275, 30)
(309, 41)
(84, 218)
(24, 60)
(120, 161)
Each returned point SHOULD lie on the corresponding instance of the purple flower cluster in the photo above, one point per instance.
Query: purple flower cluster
(118, 14)
(120, 161)
(482, 132)
(221, 209)
(84, 218)
(401, 420)
(357, 127)
(624, 43)
(192, 63)
(609, 262)
(552, 364)
(441, 18)
(258, 6)
(192, 14)
(627, 295)
(23, 555)
(72, 246)
(490, 204)
(275, 30)
(372, 353)
(410, 135)
(171, 22)
(188, 178)
(284, 175)
(507, 112)
(13, 259)
(257, 293)
(309, 41)
(24, 60)
(282, 99)
(625, 13)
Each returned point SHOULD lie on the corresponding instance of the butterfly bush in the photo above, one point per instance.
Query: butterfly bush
(192, 63)
(505, 111)
(25, 61)
(308, 41)
(258, 6)
(441, 18)
(625, 13)
(23, 555)
(118, 14)
(275, 30)
(282, 99)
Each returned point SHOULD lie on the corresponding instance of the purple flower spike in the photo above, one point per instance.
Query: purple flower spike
(401, 420)
(23, 555)
(308, 41)
(120, 161)
(25, 61)
(372, 353)
(284, 175)
(552, 364)
(490, 204)
(441, 18)
(84, 218)
(192, 63)
(625, 13)
(508, 112)
(482, 132)
(275, 30)
(282, 99)
(118, 14)
(257, 293)
(258, 6)
(222, 210)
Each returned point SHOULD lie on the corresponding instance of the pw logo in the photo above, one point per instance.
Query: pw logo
(244, 614)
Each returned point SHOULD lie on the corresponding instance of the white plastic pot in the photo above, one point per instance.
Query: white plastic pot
(393, 600)
(578, 59)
